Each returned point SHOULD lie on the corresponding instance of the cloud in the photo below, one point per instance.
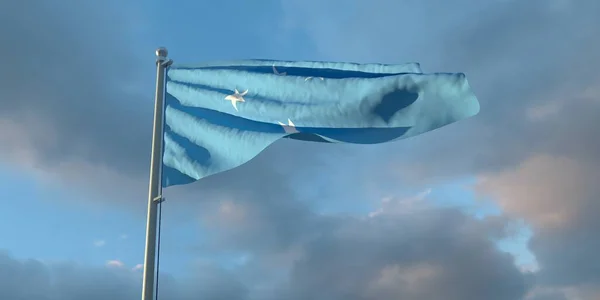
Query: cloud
(63, 93)
(550, 192)
(581, 292)
(267, 218)
(400, 256)
(558, 196)
(304, 254)
(392, 255)
(115, 263)
(99, 243)
(33, 279)
(403, 206)
(138, 267)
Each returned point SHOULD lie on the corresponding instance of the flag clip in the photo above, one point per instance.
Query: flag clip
(159, 199)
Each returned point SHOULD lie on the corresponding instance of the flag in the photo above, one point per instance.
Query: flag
(219, 116)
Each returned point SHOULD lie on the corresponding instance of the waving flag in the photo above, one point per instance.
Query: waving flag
(219, 116)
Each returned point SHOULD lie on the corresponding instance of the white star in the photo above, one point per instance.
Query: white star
(277, 72)
(237, 97)
(290, 127)
(307, 78)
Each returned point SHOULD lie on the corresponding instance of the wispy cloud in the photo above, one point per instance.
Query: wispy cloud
(115, 263)
(401, 206)
(99, 243)
(138, 267)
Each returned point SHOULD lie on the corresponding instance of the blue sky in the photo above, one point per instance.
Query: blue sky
(328, 221)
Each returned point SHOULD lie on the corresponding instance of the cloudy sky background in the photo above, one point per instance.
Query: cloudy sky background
(501, 206)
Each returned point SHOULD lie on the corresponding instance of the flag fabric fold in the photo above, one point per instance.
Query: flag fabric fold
(219, 116)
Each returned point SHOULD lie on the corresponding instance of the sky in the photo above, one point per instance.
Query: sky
(502, 206)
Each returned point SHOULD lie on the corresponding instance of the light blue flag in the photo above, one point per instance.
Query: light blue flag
(219, 116)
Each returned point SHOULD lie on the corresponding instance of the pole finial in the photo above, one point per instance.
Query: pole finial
(161, 53)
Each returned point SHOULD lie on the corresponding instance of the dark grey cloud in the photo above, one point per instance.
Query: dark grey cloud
(71, 81)
(403, 257)
(390, 255)
(33, 280)
(549, 295)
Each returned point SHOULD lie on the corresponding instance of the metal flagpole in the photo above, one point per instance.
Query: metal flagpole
(155, 186)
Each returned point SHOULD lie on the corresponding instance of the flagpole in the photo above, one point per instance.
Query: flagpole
(155, 186)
